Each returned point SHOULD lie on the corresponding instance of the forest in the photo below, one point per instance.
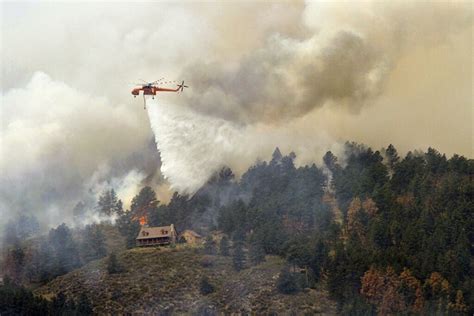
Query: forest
(383, 234)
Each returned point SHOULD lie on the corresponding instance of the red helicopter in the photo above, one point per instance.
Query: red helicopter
(152, 88)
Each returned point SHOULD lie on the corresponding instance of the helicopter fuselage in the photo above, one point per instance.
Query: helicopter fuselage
(146, 91)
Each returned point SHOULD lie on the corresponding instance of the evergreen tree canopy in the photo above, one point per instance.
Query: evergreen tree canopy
(64, 249)
(209, 245)
(145, 203)
(224, 246)
(93, 244)
(256, 251)
(109, 204)
(238, 256)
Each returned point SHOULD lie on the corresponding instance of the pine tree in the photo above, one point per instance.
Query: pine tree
(319, 258)
(256, 252)
(107, 202)
(94, 243)
(65, 252)
(118, 208)
(128, 227)
(209, 245)
(276, 156)
(391, 156)
(224, 246)
(145, 203)
(330, 161)
(45, 262)
(238, 258)
(100, 242)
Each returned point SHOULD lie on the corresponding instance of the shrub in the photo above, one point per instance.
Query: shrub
(238, 259)
(209, 246)
(256, 252)
(113, 265)
(207, 262)
(206, 287)
(224, 246)
(286, 282)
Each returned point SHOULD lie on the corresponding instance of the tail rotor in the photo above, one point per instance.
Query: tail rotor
(182, 86)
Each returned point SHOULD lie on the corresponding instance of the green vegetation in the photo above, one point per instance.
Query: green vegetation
(109, 204)
(224, 246)
(206, 287)
(256, 251)
(238, 256)
(209, 246)
(18, 300)
(286, 283)
(93, 245)
(381, 233)
(113, 266)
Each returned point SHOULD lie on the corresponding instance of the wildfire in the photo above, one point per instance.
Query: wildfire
(143, 220)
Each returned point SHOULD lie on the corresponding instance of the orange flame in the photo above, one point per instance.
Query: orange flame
(143, 220)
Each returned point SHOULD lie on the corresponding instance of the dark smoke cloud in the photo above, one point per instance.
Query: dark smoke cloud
(289, 78)
(342, 55)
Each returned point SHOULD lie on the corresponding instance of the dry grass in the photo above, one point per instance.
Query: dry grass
(161, 280)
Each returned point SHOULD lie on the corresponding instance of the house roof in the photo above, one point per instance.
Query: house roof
(191, 232)
(155, 232)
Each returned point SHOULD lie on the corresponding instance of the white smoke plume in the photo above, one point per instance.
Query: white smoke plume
(125, 186)
(59, 147)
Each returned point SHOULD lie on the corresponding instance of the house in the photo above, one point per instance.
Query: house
(191, 237)
(156, 236)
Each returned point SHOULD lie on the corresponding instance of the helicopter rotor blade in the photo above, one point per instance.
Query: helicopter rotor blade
(157, 81)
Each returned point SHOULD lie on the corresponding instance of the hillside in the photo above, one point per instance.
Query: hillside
(386, 235)
(161, 280)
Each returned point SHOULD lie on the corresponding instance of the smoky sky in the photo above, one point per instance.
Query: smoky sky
(289, 78)
(345, 64)
(304, 76)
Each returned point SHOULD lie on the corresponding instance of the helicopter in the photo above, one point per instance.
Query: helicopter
(152, 88)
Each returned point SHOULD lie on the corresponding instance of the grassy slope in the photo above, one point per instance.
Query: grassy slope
(162, 279)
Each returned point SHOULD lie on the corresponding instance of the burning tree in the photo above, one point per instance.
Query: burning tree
(143, 205)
